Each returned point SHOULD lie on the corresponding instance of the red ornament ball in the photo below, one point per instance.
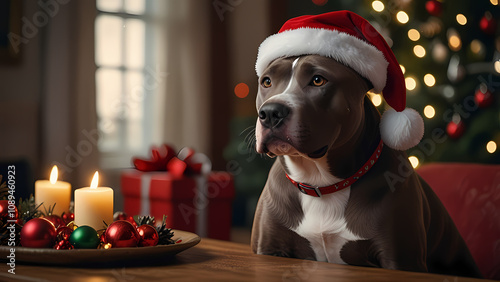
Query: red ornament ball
(455, 130)
(488, 24)
(149, 235)
(483, 99)
(38, 233)
(56, 220)
(123, 216)
(122, 234)
(434, 8)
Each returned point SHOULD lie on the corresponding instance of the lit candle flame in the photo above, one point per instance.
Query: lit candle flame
(95, 181)
(53, 175)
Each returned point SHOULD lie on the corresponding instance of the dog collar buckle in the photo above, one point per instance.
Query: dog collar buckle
(308, 190)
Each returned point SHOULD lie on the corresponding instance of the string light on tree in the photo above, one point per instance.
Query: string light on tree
(413, 34)
(429, 80)
(477, 50)
(461, 19)
(454, 41)
(491, 147)
(402, 17)
(376, 100)
(403, 69)
(497, 66)
(414, 161)
(429, 111)
(378, 6)
(411, 83)
(419, 51)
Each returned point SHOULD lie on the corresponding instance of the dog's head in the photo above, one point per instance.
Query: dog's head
(308, 105)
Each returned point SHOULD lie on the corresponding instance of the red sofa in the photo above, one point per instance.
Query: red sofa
(471, 194)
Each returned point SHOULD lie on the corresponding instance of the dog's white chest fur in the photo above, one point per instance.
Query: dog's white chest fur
(324, 224)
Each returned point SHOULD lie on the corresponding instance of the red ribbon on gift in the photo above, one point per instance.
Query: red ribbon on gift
(163, 158)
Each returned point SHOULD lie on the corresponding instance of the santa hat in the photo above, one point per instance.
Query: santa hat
(352, 41)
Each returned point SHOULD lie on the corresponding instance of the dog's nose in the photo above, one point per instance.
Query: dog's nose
(272, 114)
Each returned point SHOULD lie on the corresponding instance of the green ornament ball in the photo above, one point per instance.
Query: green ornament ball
(84, 237)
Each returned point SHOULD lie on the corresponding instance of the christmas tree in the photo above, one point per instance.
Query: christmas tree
(449, 52)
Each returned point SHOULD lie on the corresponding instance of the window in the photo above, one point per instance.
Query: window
(123, 53)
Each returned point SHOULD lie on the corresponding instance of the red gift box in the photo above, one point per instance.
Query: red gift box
(196, 203)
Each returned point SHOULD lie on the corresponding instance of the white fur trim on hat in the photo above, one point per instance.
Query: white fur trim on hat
(401, 130)
(361, 56)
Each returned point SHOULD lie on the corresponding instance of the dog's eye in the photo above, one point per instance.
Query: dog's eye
(266, 82)
(318, 80)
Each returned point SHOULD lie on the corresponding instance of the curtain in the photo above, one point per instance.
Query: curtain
(68, 120)
(184, 54)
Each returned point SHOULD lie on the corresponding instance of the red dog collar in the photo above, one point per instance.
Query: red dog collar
(318, 191)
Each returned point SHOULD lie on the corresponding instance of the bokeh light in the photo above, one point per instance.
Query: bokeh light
(414, 161)
(413, 34)
(411, 83)
(419, 51)
(491, 147)
(402, 17)
(461, 19)
(429, 80)
(378, 6)
(429, 111)
(241, 90)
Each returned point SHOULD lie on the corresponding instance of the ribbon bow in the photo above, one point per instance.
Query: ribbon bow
(163, 158)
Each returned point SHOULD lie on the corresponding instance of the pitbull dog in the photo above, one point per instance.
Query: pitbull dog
(315, 117)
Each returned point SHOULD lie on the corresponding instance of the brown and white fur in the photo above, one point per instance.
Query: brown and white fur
(314, 115)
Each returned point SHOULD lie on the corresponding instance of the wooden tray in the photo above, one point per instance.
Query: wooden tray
(101, 257)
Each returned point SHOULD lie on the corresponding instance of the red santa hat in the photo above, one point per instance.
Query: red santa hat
(352, 41)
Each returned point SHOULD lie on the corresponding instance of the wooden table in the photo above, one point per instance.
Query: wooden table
(213, 260)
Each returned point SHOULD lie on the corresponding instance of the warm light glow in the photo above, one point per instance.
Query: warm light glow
(429, 80)
(95, 181)
(414, 161)
(403, 69)
(494, 2)
(454, 42)
(53, 175)
(410, 83)
(376, 100)
(491, 147)
(402, 17)
(241, 90)
(476, 46)
(461, 19)
(413, 34)
(419, 51)
(429, 111)
(497, 66)
(378, 6)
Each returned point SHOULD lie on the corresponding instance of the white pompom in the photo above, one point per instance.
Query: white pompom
(401, 130)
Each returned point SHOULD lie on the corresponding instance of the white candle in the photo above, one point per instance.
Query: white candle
(93, 205)
(50, 192)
